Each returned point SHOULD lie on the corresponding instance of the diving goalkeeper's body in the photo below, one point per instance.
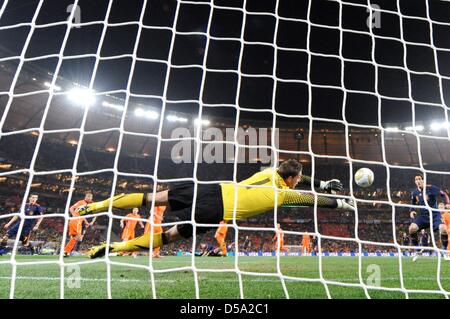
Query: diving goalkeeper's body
(215, 202)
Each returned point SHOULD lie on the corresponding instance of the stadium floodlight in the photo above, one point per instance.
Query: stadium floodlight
(435, 126)
(139, 112)
(113, 106)
(82, 97)
(392, 129)
(151, 115)
(73, 142)
(147, 114)
(174, 118)
(203, 122)
(418, 128)
(55, 87)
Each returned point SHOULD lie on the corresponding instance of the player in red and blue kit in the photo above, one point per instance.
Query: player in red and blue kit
(422, 219)
(32, 208)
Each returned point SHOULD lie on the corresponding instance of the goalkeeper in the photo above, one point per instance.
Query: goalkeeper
(215, 202)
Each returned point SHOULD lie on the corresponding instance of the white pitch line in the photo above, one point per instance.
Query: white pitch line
(83, 279)
(34, 278)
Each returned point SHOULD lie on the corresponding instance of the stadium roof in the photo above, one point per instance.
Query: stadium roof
(26, 112)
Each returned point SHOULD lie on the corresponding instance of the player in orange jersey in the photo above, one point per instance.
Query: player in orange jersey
(158, 215)
(76, 225)
(306, 243)
(445, 212)
(279, 236)
(129, 226)
(221, 234)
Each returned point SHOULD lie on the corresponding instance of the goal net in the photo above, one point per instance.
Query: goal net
(113, 97)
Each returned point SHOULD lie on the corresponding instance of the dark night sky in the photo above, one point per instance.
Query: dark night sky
(255, 92)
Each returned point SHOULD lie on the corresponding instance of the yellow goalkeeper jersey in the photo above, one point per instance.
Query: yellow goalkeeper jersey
(254, 200)
(257, 194)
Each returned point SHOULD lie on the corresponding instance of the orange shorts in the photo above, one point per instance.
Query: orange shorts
(281, 246)
(75, 227)
(156, 229)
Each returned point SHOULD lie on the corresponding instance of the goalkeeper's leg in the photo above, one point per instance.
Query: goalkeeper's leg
(141, 243)
(209, 210)
(126, 201)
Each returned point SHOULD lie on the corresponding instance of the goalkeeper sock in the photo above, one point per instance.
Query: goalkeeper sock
(414, 239)
(122, 201)
(139, 243)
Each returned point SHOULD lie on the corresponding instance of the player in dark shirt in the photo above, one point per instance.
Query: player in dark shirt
(32, 208)
(247, 243)
(421, 220)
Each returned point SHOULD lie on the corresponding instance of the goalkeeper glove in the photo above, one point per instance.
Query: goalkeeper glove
(84, 210)
(331, 185)
(346, 204)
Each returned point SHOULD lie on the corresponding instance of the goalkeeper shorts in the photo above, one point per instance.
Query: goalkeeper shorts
(208, 206)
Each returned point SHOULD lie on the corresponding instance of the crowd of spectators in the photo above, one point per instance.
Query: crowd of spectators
(375, 222)
(375, 226)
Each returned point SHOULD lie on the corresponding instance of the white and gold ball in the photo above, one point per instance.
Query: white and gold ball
(364, 177)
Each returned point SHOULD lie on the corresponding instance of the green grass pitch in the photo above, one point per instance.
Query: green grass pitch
(90, 280)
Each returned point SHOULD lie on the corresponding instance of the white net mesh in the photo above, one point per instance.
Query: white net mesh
(322, 41)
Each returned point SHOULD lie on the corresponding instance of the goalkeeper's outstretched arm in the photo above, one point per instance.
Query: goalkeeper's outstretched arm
(294, 199)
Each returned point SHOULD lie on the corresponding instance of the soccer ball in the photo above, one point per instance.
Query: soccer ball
(364, 177)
